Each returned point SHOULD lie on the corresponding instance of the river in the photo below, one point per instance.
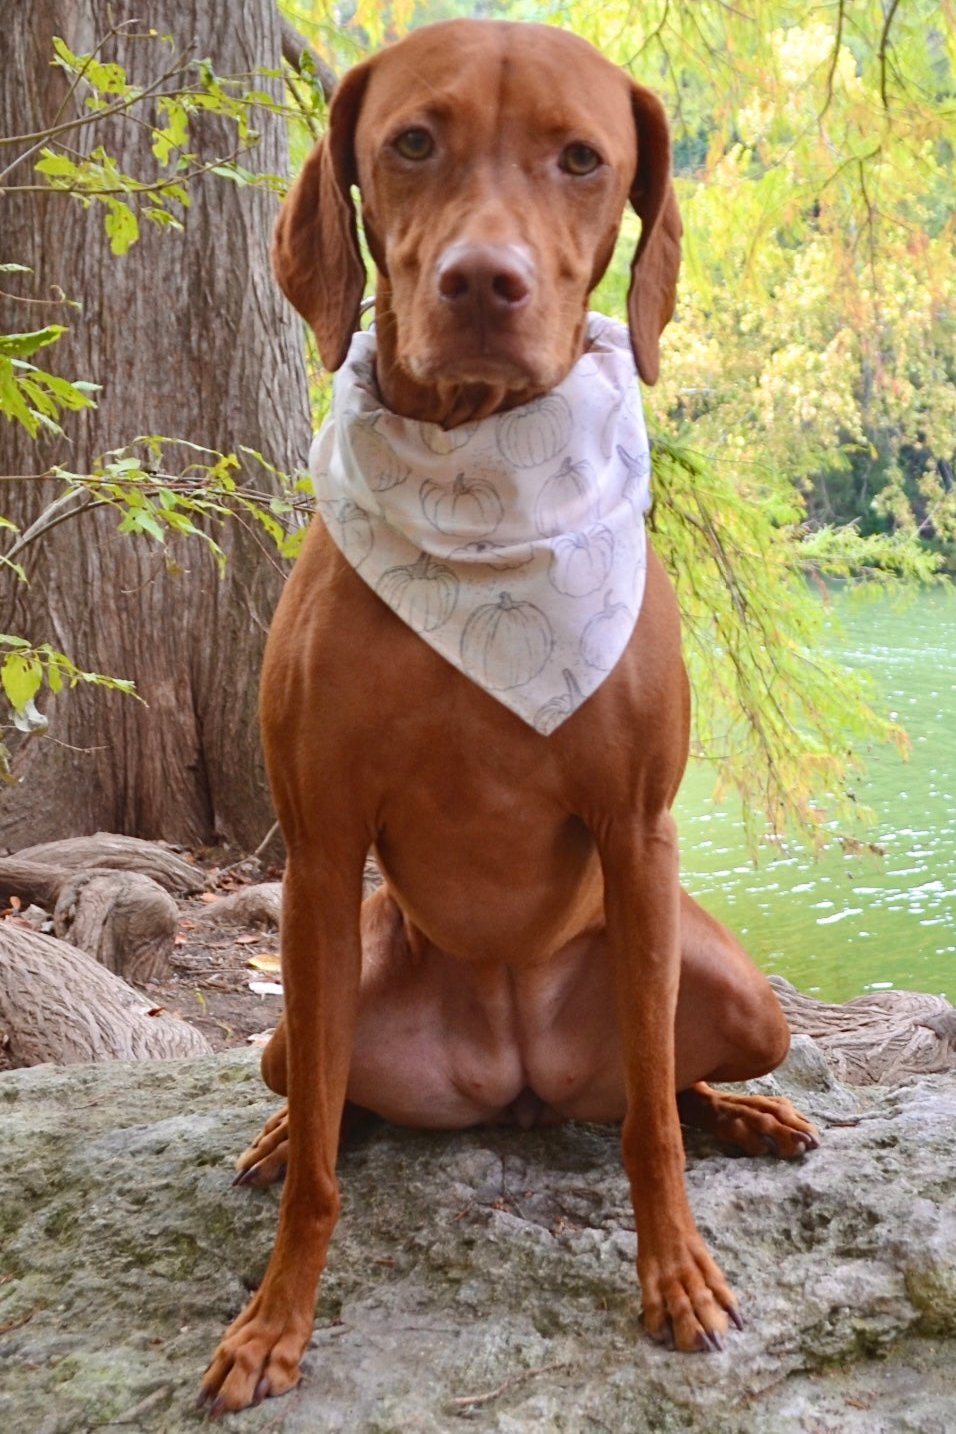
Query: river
(838, 925)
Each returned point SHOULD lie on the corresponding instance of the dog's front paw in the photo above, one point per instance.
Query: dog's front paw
(258, 1357)
(688, 1305)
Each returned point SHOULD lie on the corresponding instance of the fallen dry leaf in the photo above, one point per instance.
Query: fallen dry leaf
(265, 961)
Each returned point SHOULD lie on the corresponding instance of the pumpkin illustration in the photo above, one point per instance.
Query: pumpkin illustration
(568, 499)
(536, 432)
(549, 717)
(380, 465)
(606, 635)
(446, 440)
(351, 529)
(638, 469)
(505, 644)
(495, 555)
(470, 506)
(423, 593)
(623, 414)
(581, 562)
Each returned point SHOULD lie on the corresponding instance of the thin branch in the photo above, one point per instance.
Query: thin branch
(294, 46)
(837, 42)
(134, 189)
(221, 505)
(884, 46)
(43, 136)
(265, 840)
(57, 512)
(113, 31)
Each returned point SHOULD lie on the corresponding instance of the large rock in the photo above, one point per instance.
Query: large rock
(482, 1280)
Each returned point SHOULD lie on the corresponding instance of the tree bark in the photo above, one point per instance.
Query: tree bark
(259, 905)
(103, 849)
(876, 1039)
(123, 920)
(189, 338)
(58, 1004)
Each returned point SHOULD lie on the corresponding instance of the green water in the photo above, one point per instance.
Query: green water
(837, 925)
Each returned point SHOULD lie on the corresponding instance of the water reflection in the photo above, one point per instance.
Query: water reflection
(840, 925)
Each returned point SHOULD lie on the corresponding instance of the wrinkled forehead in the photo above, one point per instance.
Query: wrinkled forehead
(485, 76)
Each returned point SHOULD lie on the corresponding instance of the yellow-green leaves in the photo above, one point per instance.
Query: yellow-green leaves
(23, 671)
(92, 176)
(28, 395)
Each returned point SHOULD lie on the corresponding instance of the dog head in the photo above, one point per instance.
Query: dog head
(494, 163)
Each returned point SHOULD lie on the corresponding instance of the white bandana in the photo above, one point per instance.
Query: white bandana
(514, 546)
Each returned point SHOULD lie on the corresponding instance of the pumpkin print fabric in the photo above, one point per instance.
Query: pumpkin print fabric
(515, 547)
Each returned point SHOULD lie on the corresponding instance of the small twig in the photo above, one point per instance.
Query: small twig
(50, 517)
(145, 1406)
(472, 1401)
(20, 1320)
(266, 840)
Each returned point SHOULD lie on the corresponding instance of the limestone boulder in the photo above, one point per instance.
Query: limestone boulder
(482, 1280)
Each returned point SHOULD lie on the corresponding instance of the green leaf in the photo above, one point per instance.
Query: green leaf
(109, 78)
(12, 402)
(65, 54)
(57, 166)
(121, 226)
(22, 678)
(142, 521)
(20, 345)
(162, 217)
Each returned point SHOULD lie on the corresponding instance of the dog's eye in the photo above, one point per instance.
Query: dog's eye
(579, 159)
(414, 144)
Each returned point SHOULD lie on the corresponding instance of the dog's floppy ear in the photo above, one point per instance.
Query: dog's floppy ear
(650, 299)
(315, 248)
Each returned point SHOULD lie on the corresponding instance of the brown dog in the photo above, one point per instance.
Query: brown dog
(531, 955)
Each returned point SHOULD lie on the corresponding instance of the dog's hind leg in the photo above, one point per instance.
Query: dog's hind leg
(730, 1028)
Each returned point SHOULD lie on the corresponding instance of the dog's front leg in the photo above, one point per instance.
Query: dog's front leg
(687, 1301)
(321, 968)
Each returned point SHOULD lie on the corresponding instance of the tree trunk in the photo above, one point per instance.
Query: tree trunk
(189, 338)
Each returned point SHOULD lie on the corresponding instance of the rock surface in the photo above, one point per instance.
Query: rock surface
(479, 1281)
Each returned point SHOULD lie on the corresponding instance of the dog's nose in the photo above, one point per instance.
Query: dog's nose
(496, 278)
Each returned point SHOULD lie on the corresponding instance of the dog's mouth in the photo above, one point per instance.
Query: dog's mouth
(502, 365)
(510, 352)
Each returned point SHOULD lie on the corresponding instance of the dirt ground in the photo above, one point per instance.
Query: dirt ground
(212, 985)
